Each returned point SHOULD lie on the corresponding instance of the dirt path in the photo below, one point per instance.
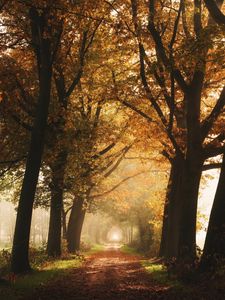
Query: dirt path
(113, 275)
(106, 275)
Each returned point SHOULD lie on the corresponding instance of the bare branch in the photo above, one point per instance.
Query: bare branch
(13, 161)
(211, 166)
(215, 12)
(104, 151)
(213, 116)
(126, 149)
(197, 17)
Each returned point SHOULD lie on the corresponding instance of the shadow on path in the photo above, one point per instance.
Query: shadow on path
(108, 275)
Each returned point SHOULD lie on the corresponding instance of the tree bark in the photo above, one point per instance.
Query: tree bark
(75, 224)
(64, 226)
(179, 228)
(189, 194)
(20, 260)
(192, 170)
(172, 210)
(131, 233)
(171, 216)
(55, 222)
(164, 233)
(214, 248)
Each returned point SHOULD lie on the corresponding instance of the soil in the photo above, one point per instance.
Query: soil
(109, 275)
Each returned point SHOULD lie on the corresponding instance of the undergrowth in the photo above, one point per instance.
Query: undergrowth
(45, 269)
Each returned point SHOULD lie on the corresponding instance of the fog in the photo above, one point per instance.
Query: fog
(100, 227)
(39, 228)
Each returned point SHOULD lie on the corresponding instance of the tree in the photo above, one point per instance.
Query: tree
(134, 203)
(214, 247)
(45, 42)
(68, 71)
(214, 9)
(59, 140)
(181, 83)
(98, 139)
(90, 164)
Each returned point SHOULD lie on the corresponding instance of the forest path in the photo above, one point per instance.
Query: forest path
(110, 274)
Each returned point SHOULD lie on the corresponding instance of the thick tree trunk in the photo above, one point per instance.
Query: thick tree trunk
(75, 225)
(189, 194)
(55, 222)
(172, 211)
(214, 249)
(192, 171)
(179, 232)
(20, 260)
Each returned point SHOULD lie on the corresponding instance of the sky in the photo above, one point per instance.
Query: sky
(206, 197)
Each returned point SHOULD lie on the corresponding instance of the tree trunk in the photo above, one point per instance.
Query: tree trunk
(20, 260)
(192, 170)
(64, 227)
(189, 194)
(97, 236)
(75, 224)
(172, 210)
(145, 232)
(164, 233)
(55, 222)
(131, 233)
(179, 228)
(214, 249)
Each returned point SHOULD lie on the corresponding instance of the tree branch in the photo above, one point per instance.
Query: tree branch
(211, 166)
(209, 121)
(215, 12)
(13, 161)
(104, 151)
(197, 17)
(80, 71)
(21, 123)
(116, 186)
(160, 47)
(213, 151)
(126, 149)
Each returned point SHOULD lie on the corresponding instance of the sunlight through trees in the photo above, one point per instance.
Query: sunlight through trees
(112, 131)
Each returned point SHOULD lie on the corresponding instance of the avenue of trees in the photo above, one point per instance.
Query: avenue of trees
(94, 95)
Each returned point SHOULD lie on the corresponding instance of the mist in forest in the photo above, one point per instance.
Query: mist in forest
(103, 227)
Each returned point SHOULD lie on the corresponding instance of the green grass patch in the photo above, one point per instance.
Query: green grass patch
(25, 285)
(94, 249)
(44, 270)
(159, 273)
(129, 250)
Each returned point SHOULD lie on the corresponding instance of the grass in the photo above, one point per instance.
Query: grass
(155, 268)
(44, 271)
(95, 248)
(129, 250)
(159, 273)
(25, 285)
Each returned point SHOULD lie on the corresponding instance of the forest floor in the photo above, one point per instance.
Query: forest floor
(114, 274)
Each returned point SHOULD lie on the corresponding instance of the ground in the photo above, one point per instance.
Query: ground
(109, 274)
(112, 274)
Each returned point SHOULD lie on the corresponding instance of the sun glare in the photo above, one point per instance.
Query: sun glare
(115, 235)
